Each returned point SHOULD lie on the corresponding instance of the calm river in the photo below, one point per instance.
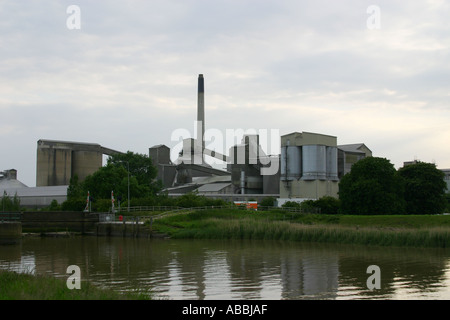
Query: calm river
(237, 270)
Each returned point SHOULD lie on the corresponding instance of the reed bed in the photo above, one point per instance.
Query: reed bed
(250, 228)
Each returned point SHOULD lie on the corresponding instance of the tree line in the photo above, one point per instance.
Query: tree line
(374, 186)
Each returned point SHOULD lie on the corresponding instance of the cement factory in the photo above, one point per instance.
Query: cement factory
(309, 166)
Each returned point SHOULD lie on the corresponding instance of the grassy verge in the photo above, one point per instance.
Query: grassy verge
(416, 231)
(15, 286)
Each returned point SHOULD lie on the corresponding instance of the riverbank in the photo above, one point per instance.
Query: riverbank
(19, 286)
(383, 230)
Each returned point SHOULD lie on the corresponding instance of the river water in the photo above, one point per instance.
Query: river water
(237, 270)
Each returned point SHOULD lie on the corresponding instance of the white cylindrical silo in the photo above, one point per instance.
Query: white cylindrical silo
(283, 166)
(314, 162)
(332, 163)
(291, 162)
(294, 167)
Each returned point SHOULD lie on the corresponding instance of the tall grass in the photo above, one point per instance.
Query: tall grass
(222, 226)
(19, 286)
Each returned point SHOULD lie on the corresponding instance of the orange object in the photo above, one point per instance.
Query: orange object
(248, 204)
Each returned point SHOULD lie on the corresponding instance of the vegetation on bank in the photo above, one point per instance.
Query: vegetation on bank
(393, 230)
(374, 186)
(19, 286)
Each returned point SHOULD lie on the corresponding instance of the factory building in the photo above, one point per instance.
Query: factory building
(349, 154)
(8, 179)
(245, 163)
(59, 161)
(160, 156)
(309, 166)
(31, 197)
(447, 178)
(190, 172)
(312, 165)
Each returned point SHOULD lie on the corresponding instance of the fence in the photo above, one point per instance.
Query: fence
(146, 208)
(106, 217)
(170, 211)
(10, 216)
(165, 209)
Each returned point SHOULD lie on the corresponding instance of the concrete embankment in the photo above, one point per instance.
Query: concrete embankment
(10, 232)
(54, 221)
(66, 223)
(123, 229)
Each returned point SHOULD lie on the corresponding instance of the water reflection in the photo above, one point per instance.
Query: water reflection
(193, 269)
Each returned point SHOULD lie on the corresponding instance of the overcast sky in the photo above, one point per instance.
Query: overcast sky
(124, 73)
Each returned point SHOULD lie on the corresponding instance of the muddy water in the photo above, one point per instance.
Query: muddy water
(235, 270)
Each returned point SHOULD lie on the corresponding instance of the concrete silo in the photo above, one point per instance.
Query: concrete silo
(314, 162)
(59, 161)
(332, 163)
(308, 166)
(291, 162)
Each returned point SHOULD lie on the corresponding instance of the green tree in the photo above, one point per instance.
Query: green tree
(309, 206)
(268, 202)
(424, 188)
(105, 180)
(327, 205)
(373, 186)
(122, 172)
(291, 204)
(141, 167)
(54, 206)
(75, 189)
(9, 204)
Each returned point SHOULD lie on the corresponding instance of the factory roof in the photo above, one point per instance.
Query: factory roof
(355, 147)
(211, 179)
(159, 146)
(75, 145)
(8, 179)
(35, 191)
(11, 184)
(213, 187)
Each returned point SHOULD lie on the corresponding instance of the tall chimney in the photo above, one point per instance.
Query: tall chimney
(201, 109)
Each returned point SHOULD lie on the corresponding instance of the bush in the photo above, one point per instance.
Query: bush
(193, 199)
(102, 205)
(308, 206)
(10, 204)
(291, 204)
(54, 206)
(447, 207)
(268, 202)
(73, 205)
(327, 205)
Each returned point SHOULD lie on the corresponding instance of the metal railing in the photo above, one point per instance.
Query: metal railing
(172, 211)
(106, 217)
(10, 216)
(146, 208)
(175, 208)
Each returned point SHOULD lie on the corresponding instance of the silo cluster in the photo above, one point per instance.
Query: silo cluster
(308, 158)
(309, 162)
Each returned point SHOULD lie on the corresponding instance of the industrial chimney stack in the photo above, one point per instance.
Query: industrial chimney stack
(201, 110)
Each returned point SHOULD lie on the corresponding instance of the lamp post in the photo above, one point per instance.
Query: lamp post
(128, 167)
(128, 170)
